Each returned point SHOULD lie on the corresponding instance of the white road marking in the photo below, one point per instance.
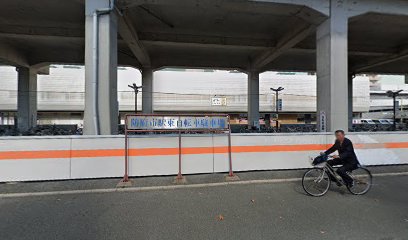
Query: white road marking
(168, 187)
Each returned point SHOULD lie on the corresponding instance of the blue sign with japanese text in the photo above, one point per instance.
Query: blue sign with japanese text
(135, 122)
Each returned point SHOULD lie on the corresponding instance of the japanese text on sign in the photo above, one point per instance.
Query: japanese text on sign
(322, 124)
(176, 122)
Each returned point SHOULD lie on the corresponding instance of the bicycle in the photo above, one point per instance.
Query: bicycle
(316, 181)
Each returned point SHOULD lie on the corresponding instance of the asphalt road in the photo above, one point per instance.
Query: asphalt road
(255, 211)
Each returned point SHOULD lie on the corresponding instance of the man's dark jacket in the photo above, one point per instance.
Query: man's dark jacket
(346, 151)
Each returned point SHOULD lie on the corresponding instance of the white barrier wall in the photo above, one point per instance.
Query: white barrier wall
(17, 163)
(75, 157)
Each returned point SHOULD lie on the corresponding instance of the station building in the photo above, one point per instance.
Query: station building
(61, 94)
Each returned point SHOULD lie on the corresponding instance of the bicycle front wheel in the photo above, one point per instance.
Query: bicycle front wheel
(362, 181)
(316, 182)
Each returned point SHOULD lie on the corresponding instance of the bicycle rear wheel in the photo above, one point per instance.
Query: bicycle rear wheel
(362, 181)
(316, 182)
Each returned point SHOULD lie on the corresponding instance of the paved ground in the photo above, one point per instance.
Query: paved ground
(167, 180)
(252, 211)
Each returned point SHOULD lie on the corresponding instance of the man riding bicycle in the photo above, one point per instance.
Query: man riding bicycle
(347, 157)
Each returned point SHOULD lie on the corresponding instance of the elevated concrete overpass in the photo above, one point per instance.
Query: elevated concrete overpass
(337, 39)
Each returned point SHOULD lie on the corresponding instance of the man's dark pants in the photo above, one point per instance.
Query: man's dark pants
(342, 171)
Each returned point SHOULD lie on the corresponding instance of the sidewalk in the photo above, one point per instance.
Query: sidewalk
(162, 181)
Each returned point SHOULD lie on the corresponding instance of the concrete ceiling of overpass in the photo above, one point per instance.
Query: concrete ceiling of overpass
(216, 34)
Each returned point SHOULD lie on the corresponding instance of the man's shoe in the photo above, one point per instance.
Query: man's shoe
(351, 185)
(337, 183)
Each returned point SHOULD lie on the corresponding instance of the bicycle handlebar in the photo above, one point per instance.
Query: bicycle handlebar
(325, 159)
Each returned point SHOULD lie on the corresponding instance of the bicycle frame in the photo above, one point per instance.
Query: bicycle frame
(331, 172)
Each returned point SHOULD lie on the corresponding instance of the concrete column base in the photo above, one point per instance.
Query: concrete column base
(232, 178)
(350, 101)
(26, 98)
(332, 70)
(253, 99)
(147, 91)
(101, 100)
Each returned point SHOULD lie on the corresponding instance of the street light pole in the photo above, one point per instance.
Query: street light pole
(136, 90)
(277, 90)
(394, 95)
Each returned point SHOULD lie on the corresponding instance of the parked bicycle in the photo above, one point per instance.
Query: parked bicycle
(316, 181)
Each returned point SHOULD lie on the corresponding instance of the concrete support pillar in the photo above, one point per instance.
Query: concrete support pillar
(253, 99)
(350, 101)
(147, 90)
(101, 101)
(26, 98)
(332, 70)
(308, 118)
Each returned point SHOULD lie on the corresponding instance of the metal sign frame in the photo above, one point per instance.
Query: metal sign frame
(226, 130)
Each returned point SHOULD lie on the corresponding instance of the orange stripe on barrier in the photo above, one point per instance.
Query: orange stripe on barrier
(381, 145)
(152, 152)
(369, 145)
(10, 155)
(98, 153)
(14, 155)
(396, 145)
(279, 148)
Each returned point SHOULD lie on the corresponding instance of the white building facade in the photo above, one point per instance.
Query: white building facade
(175, 90)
